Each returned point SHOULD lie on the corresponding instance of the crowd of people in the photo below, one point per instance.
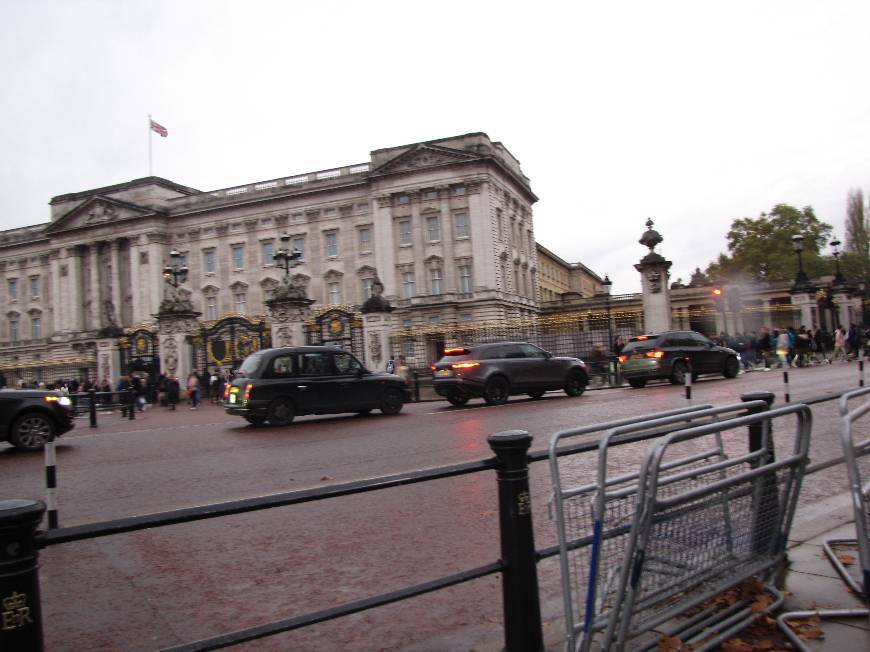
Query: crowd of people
(167, 391)
(801, 347)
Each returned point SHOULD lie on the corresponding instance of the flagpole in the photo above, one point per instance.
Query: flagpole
(150, 166)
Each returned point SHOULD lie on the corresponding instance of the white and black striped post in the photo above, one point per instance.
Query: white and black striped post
(785, 382)
(688, 379)
(860, 373)
(51, 484)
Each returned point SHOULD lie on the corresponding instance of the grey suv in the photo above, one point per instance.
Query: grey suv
(671, 354)
(496, 371)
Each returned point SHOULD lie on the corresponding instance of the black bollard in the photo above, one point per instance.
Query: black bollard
(764, 527)
(416, 387)
(20, 614)
(521, 603)
(131, 403)
(93, 411)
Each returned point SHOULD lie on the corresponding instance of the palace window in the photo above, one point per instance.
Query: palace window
(367, 288)
(34, 287)
(332, 243)
(458, 190)
(268, 249)
(430, 194)
(208, 261)
(240, 301)
(403, 199)
(464, 279)
(35, 328)
(433, 228)
(460, 225)
(435, 280)
(238, 257)
(12, 284)
(299, 245)
(13, 330)
(408, 284)
(404, 232)
(211, 308)
(334, 292)
(365, 239)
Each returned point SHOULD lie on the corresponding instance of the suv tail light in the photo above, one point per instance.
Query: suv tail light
(227, 391)
(464, 365)
(622, 358)
(248, 389)
(457, 350)
(655, 353)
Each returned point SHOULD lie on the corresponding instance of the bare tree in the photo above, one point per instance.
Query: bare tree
(856, 258)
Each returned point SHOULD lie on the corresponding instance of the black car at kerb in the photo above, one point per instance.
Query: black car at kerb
(275, 385)
(496, 371)
(671, 354)
(30, 417)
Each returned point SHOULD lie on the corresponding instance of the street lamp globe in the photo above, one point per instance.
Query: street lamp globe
(797, 243)
(839, 279)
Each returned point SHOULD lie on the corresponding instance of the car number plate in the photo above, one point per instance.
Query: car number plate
(232, 398)
(443, 373)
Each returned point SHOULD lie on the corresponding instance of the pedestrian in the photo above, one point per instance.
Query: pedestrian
(839, 344)
(214, 386)
(618, 345)
(193, 390)
(173, 391)
(125, 397)
(782, 348)
(391, 366)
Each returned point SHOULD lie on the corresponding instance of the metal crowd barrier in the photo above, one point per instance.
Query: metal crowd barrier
(856, 453)
(637, 549)
(92, 402)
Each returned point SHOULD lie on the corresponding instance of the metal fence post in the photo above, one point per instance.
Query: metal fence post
(522, 610)
(132, 404)
(20, 613)
(93, 411)
(765, 496)
(416, 387)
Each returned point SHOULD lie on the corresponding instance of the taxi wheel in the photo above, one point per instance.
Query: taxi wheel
(732, 368)
(678, 375)
(575, 385)
(281, 412)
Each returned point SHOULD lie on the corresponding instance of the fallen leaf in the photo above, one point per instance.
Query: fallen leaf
(846, 560)
(669, 644)
(810, 633)
(736, 645)
(325, 478)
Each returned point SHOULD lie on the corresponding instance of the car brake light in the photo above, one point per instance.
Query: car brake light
(623, 358)
(655, 353)
(227, 392)
(455, 351)
(640, 338)
(248, 389)
(464, 365)
(433, 367)
(52, 399)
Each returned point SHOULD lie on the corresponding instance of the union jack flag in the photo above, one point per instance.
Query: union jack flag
(160, 129)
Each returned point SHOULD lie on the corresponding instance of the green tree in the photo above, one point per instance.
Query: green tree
(762, 247)
(856, 255)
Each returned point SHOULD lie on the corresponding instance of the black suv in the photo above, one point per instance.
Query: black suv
(275, 385)
(671, 354)
(496, 371)
(30, 417)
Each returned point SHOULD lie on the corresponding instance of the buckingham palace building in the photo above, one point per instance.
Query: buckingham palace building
(154, 276)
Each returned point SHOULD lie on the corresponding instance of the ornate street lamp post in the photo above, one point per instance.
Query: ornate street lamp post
(175, 273)
(801, 279)
(839, 279)
(285, 257)
(606, 284)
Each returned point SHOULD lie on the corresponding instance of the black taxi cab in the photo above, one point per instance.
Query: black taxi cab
(276, 385)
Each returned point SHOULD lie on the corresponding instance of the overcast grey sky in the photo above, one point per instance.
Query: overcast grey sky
(692, 113)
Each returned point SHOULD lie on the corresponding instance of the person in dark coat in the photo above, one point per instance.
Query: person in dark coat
(173, 391)
(125, 396)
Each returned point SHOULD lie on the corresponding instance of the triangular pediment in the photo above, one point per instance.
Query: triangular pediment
(97, 211)
(424, 156)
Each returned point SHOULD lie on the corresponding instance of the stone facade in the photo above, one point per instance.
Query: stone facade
(446, 225)
(559, 280)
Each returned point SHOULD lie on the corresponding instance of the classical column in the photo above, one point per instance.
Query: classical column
(137, 313)
(176, 321)
(154, 285)
(95, 289)
(117, 300)
(54, 301)
(75, 289)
